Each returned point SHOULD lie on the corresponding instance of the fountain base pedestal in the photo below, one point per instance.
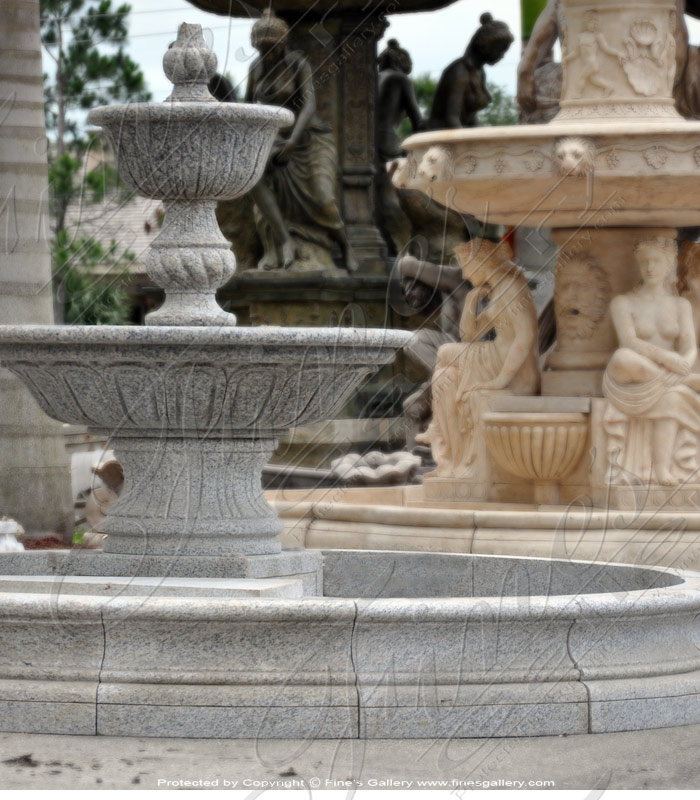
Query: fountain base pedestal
(298, 565)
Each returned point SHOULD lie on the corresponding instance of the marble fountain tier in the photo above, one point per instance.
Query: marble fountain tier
(193, 621)
(598, 456)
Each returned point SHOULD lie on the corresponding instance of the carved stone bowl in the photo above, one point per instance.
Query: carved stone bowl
(191, 150)
(193, 415)
(263, 379)
(532, 175)
(542, 448)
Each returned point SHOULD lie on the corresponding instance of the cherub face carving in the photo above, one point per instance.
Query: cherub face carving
(581, 297)
(574, 156)
(436, 164)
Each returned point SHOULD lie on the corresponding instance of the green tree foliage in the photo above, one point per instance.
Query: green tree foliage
(424, 87)
(502, 110)
(90, 299)
(85, 40)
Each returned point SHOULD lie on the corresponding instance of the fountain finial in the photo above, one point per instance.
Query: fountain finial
(189, 64)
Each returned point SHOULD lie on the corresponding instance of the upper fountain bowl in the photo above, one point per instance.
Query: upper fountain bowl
(191, 147)
(562, 175)
(617, 154)
(191, 150)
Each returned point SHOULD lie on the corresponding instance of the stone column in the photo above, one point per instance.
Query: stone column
(34, 466)
(342, 51)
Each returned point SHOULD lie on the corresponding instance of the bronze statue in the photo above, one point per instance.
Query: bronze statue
(396, 99)
(296, 199)
(425, 285)
(461, 91)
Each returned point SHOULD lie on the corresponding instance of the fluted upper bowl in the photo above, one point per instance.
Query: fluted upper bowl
(217, 381)
(191, 150)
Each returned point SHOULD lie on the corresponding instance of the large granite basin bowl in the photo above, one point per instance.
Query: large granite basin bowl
(403, 645)
(514, 175)
(193, 414)
(256, 382)
(191, 150)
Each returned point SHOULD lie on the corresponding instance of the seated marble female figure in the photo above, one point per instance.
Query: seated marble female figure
(297, 196)
(476, 365)
(652, 418)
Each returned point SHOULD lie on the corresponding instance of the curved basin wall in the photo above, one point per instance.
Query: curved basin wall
(334, 667)
(371, 574)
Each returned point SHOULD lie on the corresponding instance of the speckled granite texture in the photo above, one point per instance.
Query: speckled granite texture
(561, 661)
(190, 152)
(193, 414)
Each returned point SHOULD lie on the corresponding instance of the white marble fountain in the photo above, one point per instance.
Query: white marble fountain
(593, 453)
(193, 622)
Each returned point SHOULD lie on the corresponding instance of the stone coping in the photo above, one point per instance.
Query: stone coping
(626, 127)
(264, 335)
(213, 667)
(460, 515)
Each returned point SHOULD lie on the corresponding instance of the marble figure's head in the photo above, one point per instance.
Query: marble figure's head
(657, 258)
(479, 259)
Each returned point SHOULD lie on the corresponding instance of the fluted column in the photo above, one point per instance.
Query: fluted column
(34, 466)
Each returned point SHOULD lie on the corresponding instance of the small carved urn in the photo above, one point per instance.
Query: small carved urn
(544, 448)
(190, 151)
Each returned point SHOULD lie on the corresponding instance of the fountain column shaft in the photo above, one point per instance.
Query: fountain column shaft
(194, 496)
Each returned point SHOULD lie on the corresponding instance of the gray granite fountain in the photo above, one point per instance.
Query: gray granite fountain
(193, 622)
(193, 405)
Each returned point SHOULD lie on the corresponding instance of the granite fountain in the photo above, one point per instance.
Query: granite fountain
(194, 622)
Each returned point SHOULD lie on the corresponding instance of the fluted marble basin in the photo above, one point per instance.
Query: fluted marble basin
(514, 175)
(193, 414)
(540, 447)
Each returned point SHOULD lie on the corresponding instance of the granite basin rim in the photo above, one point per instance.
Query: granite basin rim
(191, 151)
(676, 590)
(168, 382)
(340, 666)
(264, 335)
(192, 112)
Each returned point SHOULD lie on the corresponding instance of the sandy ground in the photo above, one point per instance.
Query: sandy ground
(663, 759)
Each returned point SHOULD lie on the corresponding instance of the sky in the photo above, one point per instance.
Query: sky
(433, 38)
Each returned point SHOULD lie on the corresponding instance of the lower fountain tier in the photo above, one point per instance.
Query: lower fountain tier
(193, 415)
(588, 174)
(403, 645)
